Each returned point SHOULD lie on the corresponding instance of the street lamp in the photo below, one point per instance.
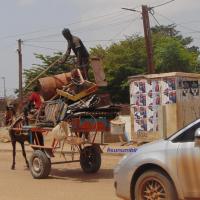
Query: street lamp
(4, 86)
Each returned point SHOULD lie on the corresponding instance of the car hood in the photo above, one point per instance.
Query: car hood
(155, 146)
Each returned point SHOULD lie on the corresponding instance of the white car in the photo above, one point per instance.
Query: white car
(165, 169)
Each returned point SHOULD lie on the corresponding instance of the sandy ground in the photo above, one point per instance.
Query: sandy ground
(4, 135)
(66, 182)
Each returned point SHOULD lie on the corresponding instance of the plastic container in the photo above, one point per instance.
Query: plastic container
(117, 127)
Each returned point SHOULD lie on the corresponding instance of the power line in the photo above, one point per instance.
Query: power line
(125, 28)
(41, 47)
(115, 20)
(44, 36)
(185, 27)
(81, 21)
(88, 29)
(162, 4)
(73, 23)
(110, 25)
(59, 41)
(21, 34)
(152, 14)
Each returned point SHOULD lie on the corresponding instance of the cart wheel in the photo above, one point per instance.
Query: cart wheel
(90, 159)
(40, 165)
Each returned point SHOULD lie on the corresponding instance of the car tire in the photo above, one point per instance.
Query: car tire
(40, 165)
(154, 185)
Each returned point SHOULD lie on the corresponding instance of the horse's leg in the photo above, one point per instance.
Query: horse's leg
(24, 153)
(14, 154)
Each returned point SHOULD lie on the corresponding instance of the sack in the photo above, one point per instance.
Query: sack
(61, 131)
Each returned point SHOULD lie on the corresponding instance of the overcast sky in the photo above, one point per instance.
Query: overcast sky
(39, 24)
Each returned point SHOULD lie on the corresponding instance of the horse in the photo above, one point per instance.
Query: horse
(16, 135)
(19, 137)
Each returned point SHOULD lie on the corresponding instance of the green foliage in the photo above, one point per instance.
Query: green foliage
(171, 55)
(121, 60)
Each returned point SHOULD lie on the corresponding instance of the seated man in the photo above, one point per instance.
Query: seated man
(34, 103)
(32, 107)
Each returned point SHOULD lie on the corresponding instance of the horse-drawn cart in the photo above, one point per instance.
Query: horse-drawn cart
(79, 132)
(74, 117)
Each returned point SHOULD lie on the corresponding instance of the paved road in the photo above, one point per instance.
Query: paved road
(66, 182)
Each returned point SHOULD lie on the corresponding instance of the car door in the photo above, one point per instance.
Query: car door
(188, 163)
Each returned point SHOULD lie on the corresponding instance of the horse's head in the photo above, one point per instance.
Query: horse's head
(10, 114)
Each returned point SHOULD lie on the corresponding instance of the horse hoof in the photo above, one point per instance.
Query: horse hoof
(13, 168)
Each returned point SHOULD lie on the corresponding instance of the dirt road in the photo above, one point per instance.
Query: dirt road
(66, 182)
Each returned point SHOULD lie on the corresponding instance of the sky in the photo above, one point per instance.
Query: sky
(39, 23)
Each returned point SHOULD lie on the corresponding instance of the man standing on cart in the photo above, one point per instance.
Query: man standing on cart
(75, 44)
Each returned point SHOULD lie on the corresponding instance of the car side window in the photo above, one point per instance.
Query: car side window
(188, 135)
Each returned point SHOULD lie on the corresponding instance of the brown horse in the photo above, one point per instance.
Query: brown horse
(16, 123)
(16, 136)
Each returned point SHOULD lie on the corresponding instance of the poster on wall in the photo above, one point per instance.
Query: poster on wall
(140, 125)
(145, 99)
(142, 86)
(169, 97)
(155, 86)
(190, 88)
(152, 124)
(168, 91)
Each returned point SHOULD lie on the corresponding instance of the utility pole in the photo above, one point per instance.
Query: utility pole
(19, 50)
(147, 35)
(4, 86)
(148, 40)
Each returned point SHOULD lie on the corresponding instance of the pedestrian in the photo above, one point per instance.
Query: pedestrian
(76, 45)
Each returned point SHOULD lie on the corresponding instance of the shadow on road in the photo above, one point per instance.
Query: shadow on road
(79, 175)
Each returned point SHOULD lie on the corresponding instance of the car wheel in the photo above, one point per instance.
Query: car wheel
(154, 185)
(40, 165)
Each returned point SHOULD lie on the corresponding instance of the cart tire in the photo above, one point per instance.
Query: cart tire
(40, 165)
(90, 159)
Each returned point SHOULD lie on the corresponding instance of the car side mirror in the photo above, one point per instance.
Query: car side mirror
(197, 137)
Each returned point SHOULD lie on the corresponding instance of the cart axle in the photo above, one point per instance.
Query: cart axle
(62, 162)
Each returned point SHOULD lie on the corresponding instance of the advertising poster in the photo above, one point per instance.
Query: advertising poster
(145, 99)
(190, 88)
(168, 91)
(152, 124)
(140, 125)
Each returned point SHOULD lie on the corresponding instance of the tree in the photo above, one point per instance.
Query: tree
(121, 60)
(171, 55)
(172, 51)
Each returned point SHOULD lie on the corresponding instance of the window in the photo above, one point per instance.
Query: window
(188, 135)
